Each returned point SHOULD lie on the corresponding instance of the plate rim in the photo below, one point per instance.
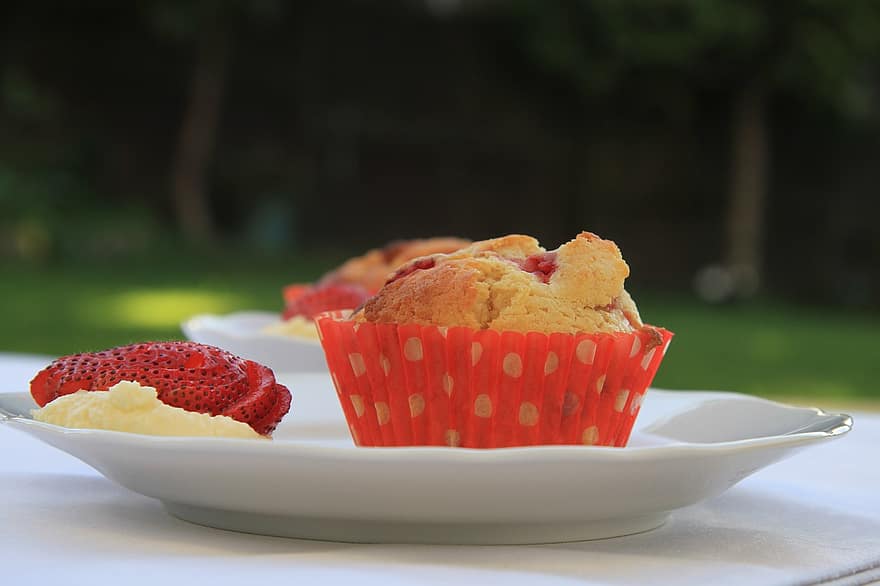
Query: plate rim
(839, 424)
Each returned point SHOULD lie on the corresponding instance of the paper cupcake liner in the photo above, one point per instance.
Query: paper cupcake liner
(407, 385)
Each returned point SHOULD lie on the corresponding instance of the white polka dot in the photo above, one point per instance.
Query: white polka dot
(570, 403)
(416, 404)
(357, 363)
(448, 383)
(412, 349)
(649, 356)
(476, 352)
(637, 345)
(636, 404)
(358, 403)
(442, 330)
(483, 406)
(586, 351)
(552, 363)
(620, 400)
(512, 365)
(528, 414)
(453, 438)
(600, 383)
(386, 364)
(383, 413)
(590, 436)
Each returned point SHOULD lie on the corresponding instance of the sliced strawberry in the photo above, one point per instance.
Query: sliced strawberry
(194, 377)
(326, 298)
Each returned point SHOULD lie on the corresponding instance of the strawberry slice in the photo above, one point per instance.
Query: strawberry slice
(194, 377)
(325, 298)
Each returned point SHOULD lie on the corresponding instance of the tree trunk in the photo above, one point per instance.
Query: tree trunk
(749, 174)
(195, 144)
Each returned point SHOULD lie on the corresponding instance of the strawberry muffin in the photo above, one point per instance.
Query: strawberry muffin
(501, 343)
(161, 388)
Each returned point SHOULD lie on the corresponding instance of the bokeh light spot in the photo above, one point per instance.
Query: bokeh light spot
(154, 308)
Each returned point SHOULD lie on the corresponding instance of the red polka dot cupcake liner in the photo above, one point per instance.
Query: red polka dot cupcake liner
(412, 385)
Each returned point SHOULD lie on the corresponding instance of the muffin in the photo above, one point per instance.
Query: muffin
(501, 343)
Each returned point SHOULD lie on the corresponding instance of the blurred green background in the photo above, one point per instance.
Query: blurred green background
(160, 159)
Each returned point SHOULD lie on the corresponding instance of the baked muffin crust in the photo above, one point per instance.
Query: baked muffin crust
(512, 283)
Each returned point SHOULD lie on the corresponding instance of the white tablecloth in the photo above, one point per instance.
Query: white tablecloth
(814, 518)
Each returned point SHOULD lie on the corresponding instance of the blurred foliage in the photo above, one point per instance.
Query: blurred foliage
(819, 50)
(54, 215)
(24, 100)
(348, 123)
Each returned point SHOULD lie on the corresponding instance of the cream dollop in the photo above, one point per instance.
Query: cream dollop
(129, 406)
(297, 326)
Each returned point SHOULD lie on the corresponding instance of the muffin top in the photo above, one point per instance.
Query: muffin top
(512, 283)
(372, 269)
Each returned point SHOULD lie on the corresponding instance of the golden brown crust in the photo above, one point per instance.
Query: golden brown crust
(373, 268)
(510, 246)
(511, 283)
(453, 292)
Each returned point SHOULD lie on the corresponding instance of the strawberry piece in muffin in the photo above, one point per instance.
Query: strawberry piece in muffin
(194, 377)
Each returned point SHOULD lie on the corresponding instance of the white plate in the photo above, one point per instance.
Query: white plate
(243, 334)
(311, 482)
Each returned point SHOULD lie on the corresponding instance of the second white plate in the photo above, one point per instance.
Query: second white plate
(312, 482)
(243, 333)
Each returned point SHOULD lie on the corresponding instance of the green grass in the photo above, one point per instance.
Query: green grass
(67, 309)
(767, 349)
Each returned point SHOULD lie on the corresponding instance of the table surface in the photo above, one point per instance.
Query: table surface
(814, 518)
